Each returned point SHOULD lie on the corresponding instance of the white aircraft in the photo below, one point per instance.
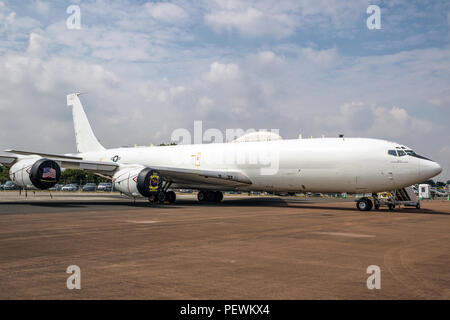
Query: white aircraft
(327, 165)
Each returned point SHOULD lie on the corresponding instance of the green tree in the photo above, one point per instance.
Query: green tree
(4, 174)
(448, 181)
(80, 177)
(440, 184)
(431, 183)
(170, 144)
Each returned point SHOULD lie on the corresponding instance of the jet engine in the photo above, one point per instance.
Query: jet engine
(137, 181)
(35, 172)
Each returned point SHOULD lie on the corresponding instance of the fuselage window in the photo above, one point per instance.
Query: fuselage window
(392, 153)
(401, 153)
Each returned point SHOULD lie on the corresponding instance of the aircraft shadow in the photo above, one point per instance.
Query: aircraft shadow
(183, 203)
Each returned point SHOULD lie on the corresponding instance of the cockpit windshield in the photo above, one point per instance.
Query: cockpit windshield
(392, 153)
(403, 151)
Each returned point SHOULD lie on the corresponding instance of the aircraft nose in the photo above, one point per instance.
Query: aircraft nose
(429, 169)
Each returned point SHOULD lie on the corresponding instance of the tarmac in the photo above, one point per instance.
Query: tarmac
(242, 248)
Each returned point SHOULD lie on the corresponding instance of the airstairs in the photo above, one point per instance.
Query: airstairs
(405, 197)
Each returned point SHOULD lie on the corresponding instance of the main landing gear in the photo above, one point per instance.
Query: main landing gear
(162, 197)
(210, 196)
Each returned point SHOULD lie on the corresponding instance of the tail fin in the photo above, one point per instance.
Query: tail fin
(86, 140)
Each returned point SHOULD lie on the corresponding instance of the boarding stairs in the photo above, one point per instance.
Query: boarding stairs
(406, 197)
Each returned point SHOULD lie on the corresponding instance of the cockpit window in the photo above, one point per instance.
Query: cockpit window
(401, 153)
(411, 153)
(392, 153)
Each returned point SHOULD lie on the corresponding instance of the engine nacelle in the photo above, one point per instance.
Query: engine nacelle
(136, 181)
(35, 172)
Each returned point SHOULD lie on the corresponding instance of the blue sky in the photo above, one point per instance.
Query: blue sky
(310, 67)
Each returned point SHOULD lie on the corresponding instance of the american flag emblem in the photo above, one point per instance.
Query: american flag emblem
(48, 173)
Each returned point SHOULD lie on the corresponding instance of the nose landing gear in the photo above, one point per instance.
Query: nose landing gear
(364, 204)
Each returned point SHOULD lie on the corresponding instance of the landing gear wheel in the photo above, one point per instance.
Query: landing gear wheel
(201, 196)
(219, 196)
(211, 196)
(171, 196)
(364, 204)
(370, 204)
(152, 198)
(161, 196)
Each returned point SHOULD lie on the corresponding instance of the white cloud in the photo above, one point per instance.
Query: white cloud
(358, 118)
(268, 57)
(251, 21)
(281, 19)
(42, 7)
(220, 72)
(37, 45)
(166, 12)
(205, 104)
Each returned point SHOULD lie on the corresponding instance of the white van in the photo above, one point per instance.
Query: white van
(424, 191)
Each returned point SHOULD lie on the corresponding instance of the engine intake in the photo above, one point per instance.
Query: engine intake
(41, 173)
(137, 181)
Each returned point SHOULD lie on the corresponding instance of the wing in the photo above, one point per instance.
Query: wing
(189, 178)
(68, 162)
(44, 155)
(194, 178)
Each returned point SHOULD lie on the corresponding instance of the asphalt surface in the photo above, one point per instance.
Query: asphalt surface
(243, 248)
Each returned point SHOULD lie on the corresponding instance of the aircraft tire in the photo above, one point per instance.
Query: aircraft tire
(370, 204)
(161, 196)
(171, 196)
(201, 196)
(364, 204)
(211, 196)
(219, 196)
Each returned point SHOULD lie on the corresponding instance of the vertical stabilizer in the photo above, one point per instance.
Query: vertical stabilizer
(85, 138)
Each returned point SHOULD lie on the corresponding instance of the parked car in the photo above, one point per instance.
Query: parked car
(104, 186)
(56, 187)
(89, 187)
(70, 187)
(185, 191)
(9, 185)
(439, 193)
